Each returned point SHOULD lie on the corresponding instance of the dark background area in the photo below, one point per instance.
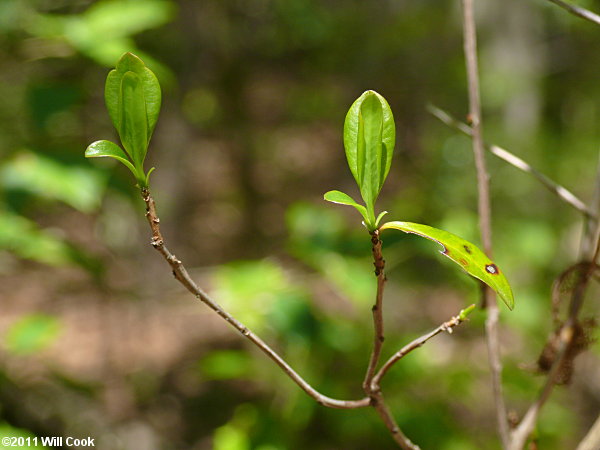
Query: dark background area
(97, 339)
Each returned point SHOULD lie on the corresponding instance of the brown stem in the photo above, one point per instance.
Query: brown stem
(374, 390)
(378, 402)
(420, 341)
(484, 211)
(375, 396)
(377, 310)
(181, 274)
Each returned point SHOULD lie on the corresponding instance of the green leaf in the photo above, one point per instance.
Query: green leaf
(150, 86)
(32, 333)
(344, 199)
(134, 124)
(26, 239)
(50, 179)
(369, 138)
(379, 217)
(225, 365)
(101, 149)
(464, 253)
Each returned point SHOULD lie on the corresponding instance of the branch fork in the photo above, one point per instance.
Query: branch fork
(371, 384)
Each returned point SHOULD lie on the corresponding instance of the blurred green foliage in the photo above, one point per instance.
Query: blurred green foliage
(249, 139)
(32, 333)
(33, 174)
(7, 430)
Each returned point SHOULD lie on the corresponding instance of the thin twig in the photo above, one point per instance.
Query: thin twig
(378, 402)
(567, 333)
(181, 274)
(484, 211)
(591, 229)
(578, 11)
(591, 441)
(420, 341)
(378, 332)
(527, 424)
(562, 192)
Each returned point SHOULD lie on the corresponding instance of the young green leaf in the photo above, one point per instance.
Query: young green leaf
(344, 199)
(369, 138)
(101, 149)
(379, 217)
(134, 124)
(467, 255)
(152, 94)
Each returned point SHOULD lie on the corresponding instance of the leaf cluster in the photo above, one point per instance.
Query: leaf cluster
(369, 139)
(133, 98)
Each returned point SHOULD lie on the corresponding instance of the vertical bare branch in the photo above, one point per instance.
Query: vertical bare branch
(374, 394)
(378, 332)
(591, 232)
(484, 210)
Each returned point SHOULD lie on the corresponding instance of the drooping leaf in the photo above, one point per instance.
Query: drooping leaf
(150, 85)
(369, 138)
(464, 253)
(134, 124)
(344, 199)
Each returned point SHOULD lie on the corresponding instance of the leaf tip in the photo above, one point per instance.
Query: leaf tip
(508, 299)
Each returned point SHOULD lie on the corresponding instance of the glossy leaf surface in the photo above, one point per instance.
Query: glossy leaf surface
(134, 125)
(100, 149)
(369, 138)
(344, 199)
(464, 253)
(150, 86)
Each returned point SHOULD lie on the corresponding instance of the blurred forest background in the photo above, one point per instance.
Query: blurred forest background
(97, 339)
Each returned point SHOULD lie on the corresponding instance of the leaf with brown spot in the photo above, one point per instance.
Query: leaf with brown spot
(462, 252)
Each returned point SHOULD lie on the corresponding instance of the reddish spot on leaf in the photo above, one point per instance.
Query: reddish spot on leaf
(492, 268)
(463, 262)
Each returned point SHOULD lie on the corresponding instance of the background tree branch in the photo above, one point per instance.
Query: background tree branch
(563, 193)
(484, 212)
(578, 11)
